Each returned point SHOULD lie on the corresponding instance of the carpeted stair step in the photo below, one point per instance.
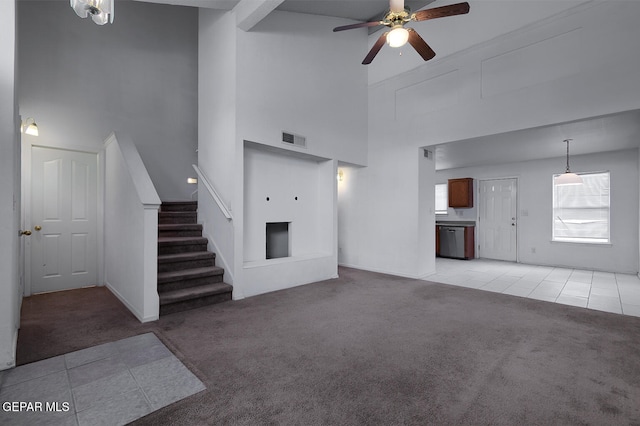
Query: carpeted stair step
(189, 260)
(177, 217)
(187, 275)
(179, 230)
(176, 280)
(179, 206)
(174, 245)
(194, 297)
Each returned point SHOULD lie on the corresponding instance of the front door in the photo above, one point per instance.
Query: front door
(63, 219)
(497, 229)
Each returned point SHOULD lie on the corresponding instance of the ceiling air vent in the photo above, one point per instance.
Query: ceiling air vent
(292, 139)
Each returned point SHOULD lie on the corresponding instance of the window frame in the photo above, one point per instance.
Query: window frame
(574, 239)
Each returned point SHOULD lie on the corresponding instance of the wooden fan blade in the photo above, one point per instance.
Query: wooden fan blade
(441, 12)
(360, 25)
(375, 49)
(420, 45)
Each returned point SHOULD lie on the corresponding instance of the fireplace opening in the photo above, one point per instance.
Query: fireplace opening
(277, 240)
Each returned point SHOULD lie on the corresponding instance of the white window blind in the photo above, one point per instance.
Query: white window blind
(581, 212)
(442, 198)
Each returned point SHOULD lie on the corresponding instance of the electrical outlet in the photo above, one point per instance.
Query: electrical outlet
(533, 250)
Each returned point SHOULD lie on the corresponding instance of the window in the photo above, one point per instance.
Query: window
(581, 212)
(442, 198)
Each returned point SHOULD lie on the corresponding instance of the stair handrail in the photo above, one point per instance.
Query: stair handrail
(214, 194)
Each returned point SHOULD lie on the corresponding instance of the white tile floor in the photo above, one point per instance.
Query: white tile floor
(110, 384)
(602, 291)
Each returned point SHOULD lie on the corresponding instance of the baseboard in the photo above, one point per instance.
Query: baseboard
(380, 271)
(15, 347)
(124, 301)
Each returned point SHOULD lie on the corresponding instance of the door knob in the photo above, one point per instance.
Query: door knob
(37, 227)
(27, 233)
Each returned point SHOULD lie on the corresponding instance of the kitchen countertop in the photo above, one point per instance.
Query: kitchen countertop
(455, 223)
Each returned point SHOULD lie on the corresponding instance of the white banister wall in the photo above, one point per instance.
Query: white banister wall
(130, 229)
(217, 226)
(226, 211)
(10, 277)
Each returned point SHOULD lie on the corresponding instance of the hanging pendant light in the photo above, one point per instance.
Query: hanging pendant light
(568, 178)
(101, 11)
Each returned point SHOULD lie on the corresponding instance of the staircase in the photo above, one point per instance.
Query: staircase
(187, 275)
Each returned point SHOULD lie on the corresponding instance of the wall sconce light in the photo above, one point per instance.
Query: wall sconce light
(29, 127)
(101, 11)
(340, 175)
(568, 178)
(192, 180)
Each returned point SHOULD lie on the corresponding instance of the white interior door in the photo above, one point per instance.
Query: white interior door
(497, 228)
(63, 219)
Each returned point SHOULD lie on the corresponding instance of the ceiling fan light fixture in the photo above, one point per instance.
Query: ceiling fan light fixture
(398, 37)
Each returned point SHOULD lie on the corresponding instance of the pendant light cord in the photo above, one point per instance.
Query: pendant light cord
(567, 141)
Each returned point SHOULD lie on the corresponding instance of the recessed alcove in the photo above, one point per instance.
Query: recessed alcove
(290, 239)
(283, 190)
(277, 240)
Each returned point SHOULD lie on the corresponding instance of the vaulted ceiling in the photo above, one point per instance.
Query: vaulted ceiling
(487, 20)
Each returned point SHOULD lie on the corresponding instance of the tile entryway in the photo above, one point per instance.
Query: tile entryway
(109, 384)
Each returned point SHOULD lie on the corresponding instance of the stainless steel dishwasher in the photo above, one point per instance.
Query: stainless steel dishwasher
(452, 241)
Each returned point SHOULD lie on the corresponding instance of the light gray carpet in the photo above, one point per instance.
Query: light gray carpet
(372, 349)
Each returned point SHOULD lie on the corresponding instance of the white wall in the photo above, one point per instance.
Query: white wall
(289, 73)
(293, 188)
(218, 154)
(131, 230)
(217, 111)
(545, 74)
(535, 210)
(487, 19)
(282, 177)
(10, 286)
(81, 81)
(295, 74)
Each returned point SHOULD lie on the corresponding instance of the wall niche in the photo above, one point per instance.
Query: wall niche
(277, 238)
(288, 204)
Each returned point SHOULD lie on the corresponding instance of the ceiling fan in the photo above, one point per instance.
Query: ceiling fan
(398, 35)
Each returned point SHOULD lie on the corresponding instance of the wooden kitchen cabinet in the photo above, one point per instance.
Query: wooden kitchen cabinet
(469, 242)
(461, 193)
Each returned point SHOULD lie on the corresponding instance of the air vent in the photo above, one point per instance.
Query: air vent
(292, 139)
